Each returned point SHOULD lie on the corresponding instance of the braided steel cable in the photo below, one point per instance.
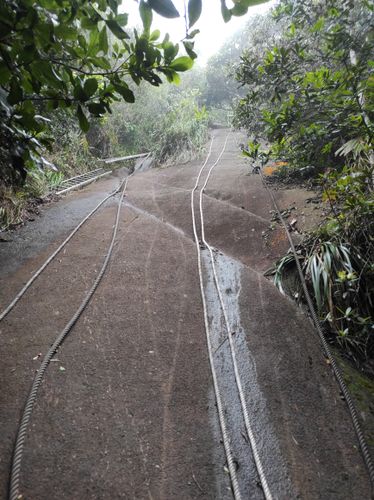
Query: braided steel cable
(251, 437)
(14, 489)
(37, 273)
(320, 330)
(220, 407)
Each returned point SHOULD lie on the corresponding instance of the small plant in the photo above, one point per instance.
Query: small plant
(53, 178)
(257, 155)
(12, 207)
(36, 184)
(13, 202)
(342, 285)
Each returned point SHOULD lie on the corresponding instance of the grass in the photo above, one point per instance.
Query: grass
(14, 202)
(12, 207)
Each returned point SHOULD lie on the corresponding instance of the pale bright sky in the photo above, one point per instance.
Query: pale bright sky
(213, 30)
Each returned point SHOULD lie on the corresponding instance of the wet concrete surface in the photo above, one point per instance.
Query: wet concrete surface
(126, 409)
(55, 220)
(229, 272)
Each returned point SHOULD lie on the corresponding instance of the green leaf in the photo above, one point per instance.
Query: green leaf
(183, 63)
(5, 73)
(172, 76)
(83, 122)
(155, 35)
(82, 42)
(318, 25)
(88, 23)
(194, 11)
(141, 44)
(189, 49)
(226, 14)
(15, 94)
(79, 92)
(116, 29)
(122, 19)
(146, 15)
(100, 62)
(44, 72)
(176, 79)
(125, 92)
(192, 34)
(66, 32)
(96, 108)
(170, 50)
(90, 86)
(103, 40)
(239, 10)
(113, 4)
(292, 29)
(164, 7)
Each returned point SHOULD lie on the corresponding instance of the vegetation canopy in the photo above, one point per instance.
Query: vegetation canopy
(79, 56)
(309, 94)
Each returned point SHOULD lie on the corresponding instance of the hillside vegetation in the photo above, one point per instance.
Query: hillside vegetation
(308, 85)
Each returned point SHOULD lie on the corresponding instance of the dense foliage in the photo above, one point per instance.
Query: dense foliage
(60, 54)
(313, 86)
(169, 121)
(80, 55)
(310, 96)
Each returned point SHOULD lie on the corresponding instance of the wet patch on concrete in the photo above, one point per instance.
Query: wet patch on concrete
(222, 478)
(229, 276)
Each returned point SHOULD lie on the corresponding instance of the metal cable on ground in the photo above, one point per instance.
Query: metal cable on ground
(14, 490)
(251, 437)
(343, 387)
(220, 407)
(37, 273)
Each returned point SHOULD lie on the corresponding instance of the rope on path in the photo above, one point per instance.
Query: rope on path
(251, 437)
(14, 489)
(220, 407)
(318, 326)
(37, 273)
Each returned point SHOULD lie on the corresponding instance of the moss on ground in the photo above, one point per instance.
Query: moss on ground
(361, 388)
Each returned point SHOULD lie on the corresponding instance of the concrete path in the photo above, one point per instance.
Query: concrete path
(127, 408)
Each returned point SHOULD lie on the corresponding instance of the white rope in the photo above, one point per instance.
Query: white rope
(15, 475)
(249, 430)
(39, 271)
(220, 408)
